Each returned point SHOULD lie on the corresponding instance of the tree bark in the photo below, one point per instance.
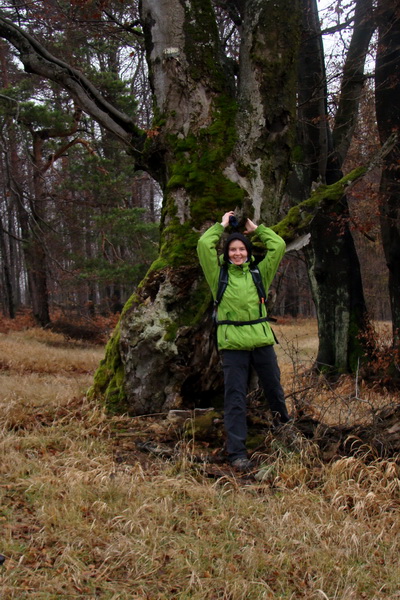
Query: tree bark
(387, 92)
(333, 264)
(266, 117)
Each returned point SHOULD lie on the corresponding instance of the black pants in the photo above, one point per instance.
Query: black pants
(236, 365)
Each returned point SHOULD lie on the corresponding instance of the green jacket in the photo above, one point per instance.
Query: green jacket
(240, 301)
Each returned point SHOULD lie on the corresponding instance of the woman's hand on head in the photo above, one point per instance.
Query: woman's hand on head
(225, 218)
(250, 226)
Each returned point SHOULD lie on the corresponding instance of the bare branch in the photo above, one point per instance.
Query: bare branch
(36, 59)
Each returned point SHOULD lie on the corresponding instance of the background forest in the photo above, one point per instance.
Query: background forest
(78, 221)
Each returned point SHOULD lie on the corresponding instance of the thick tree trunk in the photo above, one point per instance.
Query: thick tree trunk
(333, 265)
(312, 128)
(335, 277)
(162, 350)
(387, 93)
(266, 104)
(216, 155)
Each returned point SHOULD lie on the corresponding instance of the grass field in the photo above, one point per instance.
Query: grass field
(84, 515)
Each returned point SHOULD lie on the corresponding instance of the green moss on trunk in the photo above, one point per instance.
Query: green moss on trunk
(108, 383)
(196, 187)
(299, 217)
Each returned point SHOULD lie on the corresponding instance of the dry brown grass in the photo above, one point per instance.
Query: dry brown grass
(76, 523)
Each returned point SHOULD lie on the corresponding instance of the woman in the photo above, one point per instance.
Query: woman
(244, 335)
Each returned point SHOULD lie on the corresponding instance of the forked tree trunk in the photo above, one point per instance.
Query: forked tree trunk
(333, 266)
(217, 154)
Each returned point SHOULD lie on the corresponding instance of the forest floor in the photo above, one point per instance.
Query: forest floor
(146, 508)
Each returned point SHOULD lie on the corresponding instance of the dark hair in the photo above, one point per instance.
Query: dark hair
(240, 237)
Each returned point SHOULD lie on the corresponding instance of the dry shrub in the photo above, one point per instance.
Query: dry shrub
(44, 336)
(344, 401)
(70, 325)
(87, 332)
(93, 329)
(383, 361)
(23, 320)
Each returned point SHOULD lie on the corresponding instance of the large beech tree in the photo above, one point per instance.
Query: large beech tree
(224, 135)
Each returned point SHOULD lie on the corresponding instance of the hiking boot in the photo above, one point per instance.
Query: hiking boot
(242, 464)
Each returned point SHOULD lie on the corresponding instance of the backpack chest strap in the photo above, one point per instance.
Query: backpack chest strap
(240, 323)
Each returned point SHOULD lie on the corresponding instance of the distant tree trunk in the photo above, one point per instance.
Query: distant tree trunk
(18, 217)
(387, 94)
(35, 259)
(8, 296)
(35, 252)
(90, 301)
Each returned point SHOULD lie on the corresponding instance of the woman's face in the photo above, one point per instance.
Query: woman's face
(237, 252)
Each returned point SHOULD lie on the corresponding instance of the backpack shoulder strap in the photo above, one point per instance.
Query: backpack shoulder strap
(222, 282)
(256, 275)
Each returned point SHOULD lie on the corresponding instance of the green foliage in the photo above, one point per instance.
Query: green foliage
(114, 89)
(15, 102)
(41, 116)
(105, 175)
(129, 245)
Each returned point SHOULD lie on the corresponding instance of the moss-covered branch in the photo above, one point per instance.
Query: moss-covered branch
(299, 217)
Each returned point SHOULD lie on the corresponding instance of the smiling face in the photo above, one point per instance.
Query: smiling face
(237, 252)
